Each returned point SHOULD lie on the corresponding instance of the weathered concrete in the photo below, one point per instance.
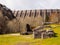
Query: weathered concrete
(36, 17)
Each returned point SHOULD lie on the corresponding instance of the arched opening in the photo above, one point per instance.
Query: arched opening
(28, 28)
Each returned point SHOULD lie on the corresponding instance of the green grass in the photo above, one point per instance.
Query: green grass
(29, 40)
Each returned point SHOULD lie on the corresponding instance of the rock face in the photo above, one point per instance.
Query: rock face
(6, 12)
(5, 16)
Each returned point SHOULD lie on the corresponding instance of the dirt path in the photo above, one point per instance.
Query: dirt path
(14, 34)
(23, 43)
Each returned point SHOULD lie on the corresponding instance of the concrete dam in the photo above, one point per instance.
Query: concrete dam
(35, 18)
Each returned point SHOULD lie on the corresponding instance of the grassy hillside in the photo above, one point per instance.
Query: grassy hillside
(9, 39)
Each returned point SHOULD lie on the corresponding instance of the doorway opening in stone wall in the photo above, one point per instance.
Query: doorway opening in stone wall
(28, 28)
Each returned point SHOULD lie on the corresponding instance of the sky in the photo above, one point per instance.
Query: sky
(31, 4)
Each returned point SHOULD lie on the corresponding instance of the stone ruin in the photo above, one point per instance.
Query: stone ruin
(41, 33)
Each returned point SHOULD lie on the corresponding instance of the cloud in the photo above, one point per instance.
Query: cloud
(31, 4)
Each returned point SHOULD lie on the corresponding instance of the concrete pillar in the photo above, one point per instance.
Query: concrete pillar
(33, 13)
(44, 14)
(28, 12)
(15, 13)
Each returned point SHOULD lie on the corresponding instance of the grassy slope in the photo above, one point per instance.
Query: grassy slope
(28, 39)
